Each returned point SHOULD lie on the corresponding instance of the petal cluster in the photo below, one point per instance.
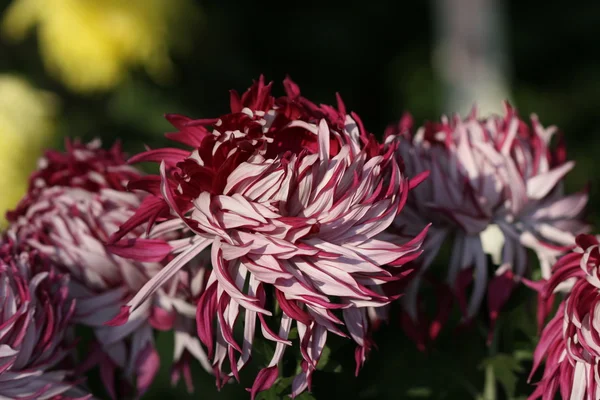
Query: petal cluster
(35, 337)
(495, 189)
(293, 200)
(570, 341)
(86, 166)
(76, 200)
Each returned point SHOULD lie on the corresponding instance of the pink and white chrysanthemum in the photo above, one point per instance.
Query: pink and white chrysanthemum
(76, 201)
(35, 338)
(293, 200)
(84, 166)
(570, 342)
(495, 189)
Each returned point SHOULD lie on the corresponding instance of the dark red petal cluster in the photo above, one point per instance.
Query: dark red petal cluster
(570, 342)
(35, 333)
(282, 138)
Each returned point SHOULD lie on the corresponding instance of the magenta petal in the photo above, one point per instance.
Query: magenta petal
(145, 250)
(585, 241)
(359, 359)
(290, 308)
(121, 318)
(499, 290)
(161, 320)
(150, 184)
(205, 314)
(192, 132)
(538, 286)
(107, 375)
(234, 369)
(445, 302)
(182, 367)
(548, 338)
(150, 208)
(168, 154)
(264, 380)
(291, 88)
(147, 365)
(417, 180)
(414, 330)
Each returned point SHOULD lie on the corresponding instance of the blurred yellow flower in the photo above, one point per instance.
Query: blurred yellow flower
(26, 125)
(90, 44)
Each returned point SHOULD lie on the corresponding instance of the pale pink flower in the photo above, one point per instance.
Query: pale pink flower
(76, 201)
(570, 342)
(495, 189)
(35, 339)
(293, 200)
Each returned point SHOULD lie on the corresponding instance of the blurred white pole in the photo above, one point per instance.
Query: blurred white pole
(470, 54)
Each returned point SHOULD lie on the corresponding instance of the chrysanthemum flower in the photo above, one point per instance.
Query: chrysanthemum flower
(569, 343)
(35, 337)
(76, 201)
(21, 138)
(90, 45)
(495, 189)
(293, 199)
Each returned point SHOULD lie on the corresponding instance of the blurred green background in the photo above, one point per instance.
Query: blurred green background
(111, 69)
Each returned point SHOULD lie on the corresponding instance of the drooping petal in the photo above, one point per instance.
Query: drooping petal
(145, 250)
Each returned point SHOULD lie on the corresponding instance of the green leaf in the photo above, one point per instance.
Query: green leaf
(327, 363)
(262, 351)
(277, 390)
(306, 396)
(523, 355)
(506, 369)
(419, 392)
(324, 360)
(293, 334)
